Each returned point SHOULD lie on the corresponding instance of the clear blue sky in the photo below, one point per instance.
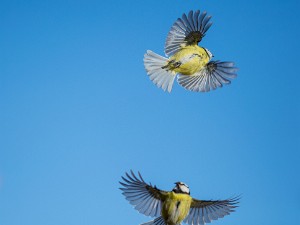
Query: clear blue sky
(77, 110)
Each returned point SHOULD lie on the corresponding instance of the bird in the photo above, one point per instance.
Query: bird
(190, 63)
(173, 207)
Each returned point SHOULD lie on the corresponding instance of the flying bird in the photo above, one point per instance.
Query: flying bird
(173, 207)
(191, 63)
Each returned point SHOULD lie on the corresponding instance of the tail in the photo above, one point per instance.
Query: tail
(157, 221)
(161, 77)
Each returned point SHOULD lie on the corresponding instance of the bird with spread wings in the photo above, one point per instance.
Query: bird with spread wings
(173, 207)
(190, 63)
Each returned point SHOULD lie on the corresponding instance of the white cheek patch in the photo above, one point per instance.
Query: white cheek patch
(184, 189)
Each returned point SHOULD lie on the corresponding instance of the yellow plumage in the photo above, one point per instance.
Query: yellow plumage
(175, 208)
(192, 58)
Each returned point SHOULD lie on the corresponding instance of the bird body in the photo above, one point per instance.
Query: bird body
(191, 64)
(188, 60)
(176, 207)
(172, 207)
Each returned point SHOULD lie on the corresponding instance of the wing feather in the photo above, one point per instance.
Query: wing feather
(145, 198)
(202, 212)
(215, 74)
(187, 30)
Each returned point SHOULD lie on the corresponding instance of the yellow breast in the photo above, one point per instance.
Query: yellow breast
(175, 208)
(193, 58)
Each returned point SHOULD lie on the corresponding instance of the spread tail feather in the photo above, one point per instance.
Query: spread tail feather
(161, 77)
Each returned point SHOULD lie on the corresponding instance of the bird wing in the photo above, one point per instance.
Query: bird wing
(202, 212)
(145, 198)
(188, 30)
(214, 74)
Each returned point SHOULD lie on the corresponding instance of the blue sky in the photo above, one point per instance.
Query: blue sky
(78, 110)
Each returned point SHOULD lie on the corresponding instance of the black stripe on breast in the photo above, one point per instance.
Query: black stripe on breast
(177, 204)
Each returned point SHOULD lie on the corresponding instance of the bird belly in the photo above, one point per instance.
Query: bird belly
(175, 208)
(191, 58)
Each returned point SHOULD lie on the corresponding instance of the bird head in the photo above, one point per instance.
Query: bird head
(181, 188)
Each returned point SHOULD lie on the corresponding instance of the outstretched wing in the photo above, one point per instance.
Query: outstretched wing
(145, 198)
(188, 30)
(214, 74)
(202, 212)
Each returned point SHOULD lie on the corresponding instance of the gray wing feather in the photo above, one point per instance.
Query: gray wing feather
(187, 30)
(202, 212)
(215, 74)
(144, 197)
(157, 221)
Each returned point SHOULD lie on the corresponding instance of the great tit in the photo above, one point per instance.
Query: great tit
(173, 207)
(190, 63)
